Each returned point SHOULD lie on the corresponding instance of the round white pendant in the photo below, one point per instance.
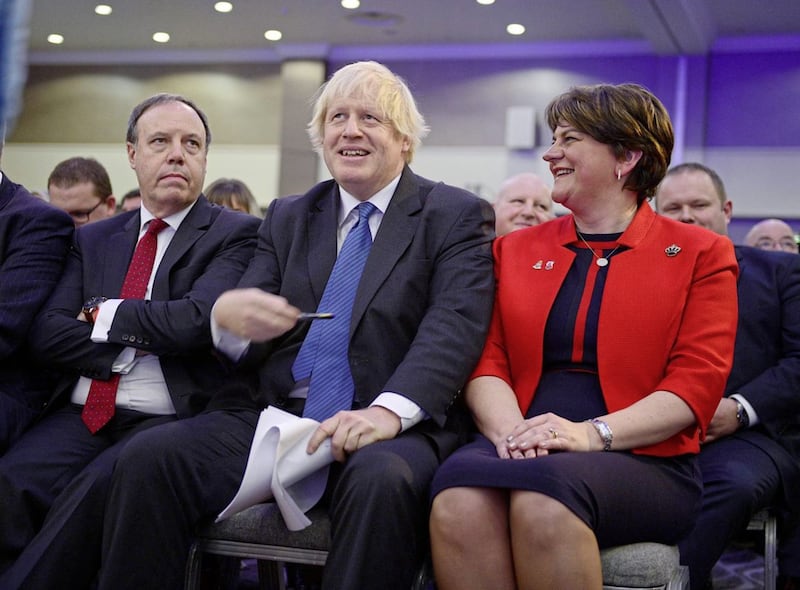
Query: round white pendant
(601, 261)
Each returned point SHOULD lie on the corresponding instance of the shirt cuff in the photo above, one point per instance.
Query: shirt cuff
(410, 413)
(104, 319)
(751, 413)
(226, 342)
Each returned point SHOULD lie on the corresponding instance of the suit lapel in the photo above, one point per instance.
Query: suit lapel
(192, 228)
(116, 266)
(321, 231)
(397, 230)
(741, 259)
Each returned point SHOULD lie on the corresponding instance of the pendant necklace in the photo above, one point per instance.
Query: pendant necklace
(601, 260)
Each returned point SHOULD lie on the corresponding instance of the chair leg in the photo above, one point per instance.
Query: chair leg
(271, 575)
(194, 565)
(770, 552)
(679, 579)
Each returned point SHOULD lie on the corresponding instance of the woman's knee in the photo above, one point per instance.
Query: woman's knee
(454, 510)
(541, 519)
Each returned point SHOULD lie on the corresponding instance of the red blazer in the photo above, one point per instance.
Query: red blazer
(667, 322)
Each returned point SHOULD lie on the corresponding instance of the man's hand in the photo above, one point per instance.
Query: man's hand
(351, 430)
(724, 421)
(254, 315)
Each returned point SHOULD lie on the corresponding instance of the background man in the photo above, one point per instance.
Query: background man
(772, 234)
(82, 188)
(751, 456)
(131, 200)
(143, 357)
(523, 200)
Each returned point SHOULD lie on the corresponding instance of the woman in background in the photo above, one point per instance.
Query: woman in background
(611, 341)
(233, 194)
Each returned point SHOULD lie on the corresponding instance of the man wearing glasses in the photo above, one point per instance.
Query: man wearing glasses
(772, 234)
(81, 187)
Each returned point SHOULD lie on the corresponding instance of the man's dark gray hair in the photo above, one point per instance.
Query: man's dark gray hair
(158, 99)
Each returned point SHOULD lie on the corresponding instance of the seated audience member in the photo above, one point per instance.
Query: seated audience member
(380, 376)
(772, 234)
(135, 347)
(523, 200)
(750, 458)
(234, 194)
(34, 241)
(585, 385)
(131, 200)
(81, 187)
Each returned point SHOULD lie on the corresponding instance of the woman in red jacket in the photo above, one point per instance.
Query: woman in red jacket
(613, 330)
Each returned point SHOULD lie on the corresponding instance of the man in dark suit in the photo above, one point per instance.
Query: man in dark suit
(156, 346)
(34, 241)
(411, 336)
(751, 456)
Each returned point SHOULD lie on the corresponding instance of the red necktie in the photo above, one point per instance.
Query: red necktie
(101, 401)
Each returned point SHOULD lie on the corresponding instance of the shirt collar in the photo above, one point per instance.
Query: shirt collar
(380, 199)
(174, 220)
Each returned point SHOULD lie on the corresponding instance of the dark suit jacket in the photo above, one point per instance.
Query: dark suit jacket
(34, 241)
(766, 365)
(666, 323)
(423, 304)
(207, 256)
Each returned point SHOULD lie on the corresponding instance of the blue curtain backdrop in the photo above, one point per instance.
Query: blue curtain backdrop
(14, 19)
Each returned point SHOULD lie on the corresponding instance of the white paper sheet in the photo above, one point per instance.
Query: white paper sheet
(278, 467)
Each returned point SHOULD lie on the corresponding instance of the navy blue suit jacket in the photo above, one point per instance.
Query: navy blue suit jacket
(766, 364)
(423, 303)
(34, 241)
(207, 256)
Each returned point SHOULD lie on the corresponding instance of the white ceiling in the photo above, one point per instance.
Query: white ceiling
(400, 28)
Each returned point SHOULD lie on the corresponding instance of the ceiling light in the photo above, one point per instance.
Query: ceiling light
(55, 39)
(515, 29)
(273, 35)
(485, 2)
(161, 37)
(103, 9)
(223, 6)
(351, 4)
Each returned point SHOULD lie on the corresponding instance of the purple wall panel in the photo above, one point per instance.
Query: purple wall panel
(754, 100)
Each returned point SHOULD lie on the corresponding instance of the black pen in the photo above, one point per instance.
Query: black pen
(305, 316)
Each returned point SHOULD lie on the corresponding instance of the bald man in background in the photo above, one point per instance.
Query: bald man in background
(772, 234)
(523, 200)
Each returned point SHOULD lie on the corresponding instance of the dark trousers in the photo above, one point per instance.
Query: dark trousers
(53, 484)
(15, 417)
(739, 479)
(166, 480)
(789, 548)
(169, 478)
(379, 505)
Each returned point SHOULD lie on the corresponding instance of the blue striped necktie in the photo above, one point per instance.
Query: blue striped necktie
(323, 355)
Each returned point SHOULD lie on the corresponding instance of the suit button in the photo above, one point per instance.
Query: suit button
(124, 337)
